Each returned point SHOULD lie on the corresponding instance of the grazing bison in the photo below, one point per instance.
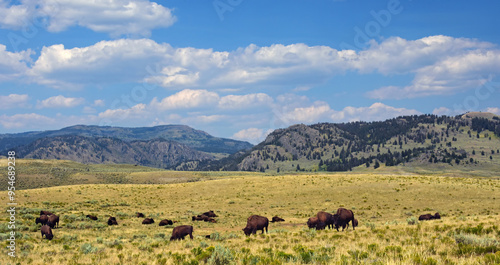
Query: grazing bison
(53, 221)
(182, 231)
(326, 218)
(91, 217)
(277, 219)
(148, 221)
(254, 223)
(47, 231)
(425, 217)
(45, 212)
(112, 221)
(139, 215)
(315, 223)
(209, 214)
(342, 218)
(197, 218)
(42, 219)
(166, 222)
(429, 216)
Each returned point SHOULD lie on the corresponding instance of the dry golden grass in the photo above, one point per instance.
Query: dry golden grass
(383, 204)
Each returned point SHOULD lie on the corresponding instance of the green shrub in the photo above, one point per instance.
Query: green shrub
(220, 256)
(87, 248)
(412, 220)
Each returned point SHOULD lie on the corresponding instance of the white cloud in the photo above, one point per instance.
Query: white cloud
(14, 101)
(138, 111)
(253, 135)
(26, 121)
(99, 103)
(13, 64)
(440, 65)
(245, 101)
(203, 119)
(60, 102)
(105, 62)
(319, 111)
(187, 99)
(376, 112)
(494, 110)
(115, 17)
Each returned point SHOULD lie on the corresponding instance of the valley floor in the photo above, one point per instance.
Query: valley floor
(386, 205)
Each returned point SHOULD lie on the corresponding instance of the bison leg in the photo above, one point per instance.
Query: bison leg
(191, 235)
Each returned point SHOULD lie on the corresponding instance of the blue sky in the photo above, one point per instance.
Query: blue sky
(241, 68)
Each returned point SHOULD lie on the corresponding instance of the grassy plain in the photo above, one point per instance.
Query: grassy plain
(386, 205)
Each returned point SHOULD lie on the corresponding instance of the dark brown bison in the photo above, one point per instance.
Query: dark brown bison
(42, 219)
(139, 215)
(45, 212)
(53, 221)
(91, 217)
(210, 214)
(197, 218)
(165, 222)
(342, 218)
(47, 231)
(210, 220)
(277, 219)
(354, 223)
(112, 221)
(148, 221)
(182, 231)
(254, 223)
(425, 217)
(429, 216)
(315, 223)
(326, 218)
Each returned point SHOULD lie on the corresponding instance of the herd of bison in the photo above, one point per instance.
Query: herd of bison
(254, 222)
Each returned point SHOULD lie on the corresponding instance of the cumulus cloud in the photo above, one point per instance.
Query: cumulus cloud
(60, 102)
(14, 101)
(319, 111)
(186, 99)
(252, 135)
(13, 64)
(115, 17)
(376, 112)
(105, 62)
(494, 110)
(26, 121)
(439, 64)
(245, 101)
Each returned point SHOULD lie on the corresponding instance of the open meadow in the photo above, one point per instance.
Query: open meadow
(386, 205)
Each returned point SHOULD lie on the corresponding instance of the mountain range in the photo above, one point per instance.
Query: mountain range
(160, 146)
(471, 140)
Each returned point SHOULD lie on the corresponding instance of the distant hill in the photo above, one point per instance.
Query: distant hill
(195, 139)
(470, 140)
(158, 153)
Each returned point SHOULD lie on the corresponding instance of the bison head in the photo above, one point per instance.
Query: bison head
(247, 231)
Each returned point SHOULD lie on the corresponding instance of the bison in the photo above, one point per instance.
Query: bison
(425, 217)
(429, 216)
(210, 214)
(53, 221)
(326, 218)
(92, 217)
(254, 223)
(315, 223)
(148, 221)
(182, 231)
(45, 213)
(166, 222)
(342, 218)
(277, 219)
(42, 219)
(139, 215)
(112, 221)
(47, 231)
